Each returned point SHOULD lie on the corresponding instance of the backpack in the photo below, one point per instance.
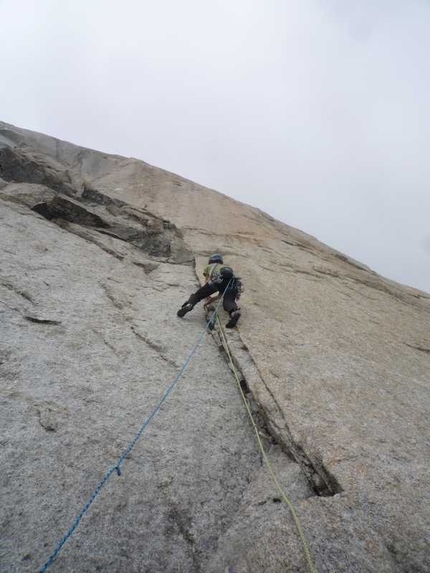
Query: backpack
(226, 274)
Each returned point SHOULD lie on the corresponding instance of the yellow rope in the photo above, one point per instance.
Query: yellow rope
(283, 495)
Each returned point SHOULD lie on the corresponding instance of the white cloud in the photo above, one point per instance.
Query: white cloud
(316, 111)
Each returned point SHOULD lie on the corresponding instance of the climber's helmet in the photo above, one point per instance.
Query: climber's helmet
(215, 259)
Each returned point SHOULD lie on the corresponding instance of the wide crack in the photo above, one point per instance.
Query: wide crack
(321, 481)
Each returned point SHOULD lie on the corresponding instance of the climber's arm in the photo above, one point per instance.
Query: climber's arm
(210, 300)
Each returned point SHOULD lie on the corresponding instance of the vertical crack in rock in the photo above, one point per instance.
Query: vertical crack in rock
(321, 481)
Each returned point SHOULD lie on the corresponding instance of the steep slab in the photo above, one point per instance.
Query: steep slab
(341, 356)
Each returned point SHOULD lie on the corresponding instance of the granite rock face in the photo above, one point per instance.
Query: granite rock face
(97, 254)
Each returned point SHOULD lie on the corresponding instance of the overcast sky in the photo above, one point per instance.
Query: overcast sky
(316, 111)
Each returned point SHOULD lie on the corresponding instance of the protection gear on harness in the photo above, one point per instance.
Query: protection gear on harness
(215, 259)
(237, 284)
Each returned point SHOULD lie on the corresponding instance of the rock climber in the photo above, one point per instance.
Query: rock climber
(218, 278)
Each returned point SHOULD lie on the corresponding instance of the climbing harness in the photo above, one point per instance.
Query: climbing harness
(117, 467)
(282, 493)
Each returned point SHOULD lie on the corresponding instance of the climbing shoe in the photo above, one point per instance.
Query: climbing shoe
(234, 317)
(184, 309)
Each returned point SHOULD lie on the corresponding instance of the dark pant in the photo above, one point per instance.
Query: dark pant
(229, 300)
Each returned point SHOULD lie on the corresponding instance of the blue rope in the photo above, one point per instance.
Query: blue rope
(117, 467)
